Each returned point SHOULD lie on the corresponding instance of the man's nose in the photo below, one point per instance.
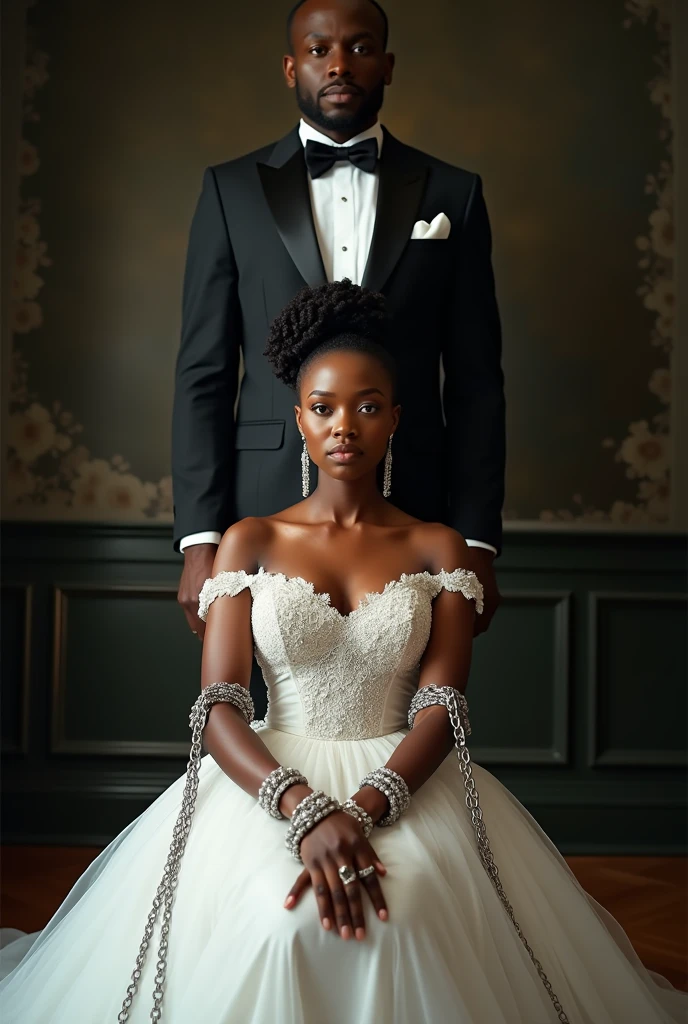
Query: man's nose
(339, 64)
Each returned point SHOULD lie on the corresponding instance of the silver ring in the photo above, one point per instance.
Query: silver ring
(347, 874)
(364, 872)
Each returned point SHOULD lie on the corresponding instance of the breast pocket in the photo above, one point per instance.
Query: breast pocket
(259, 434)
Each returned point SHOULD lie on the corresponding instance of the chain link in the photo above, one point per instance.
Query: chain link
(451, 698)
(164, 896)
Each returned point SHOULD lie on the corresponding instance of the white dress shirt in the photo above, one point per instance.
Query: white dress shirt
(344, 202)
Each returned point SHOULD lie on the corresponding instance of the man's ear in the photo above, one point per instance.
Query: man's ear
(288, 69)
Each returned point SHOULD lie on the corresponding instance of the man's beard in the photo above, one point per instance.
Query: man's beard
(349, 123)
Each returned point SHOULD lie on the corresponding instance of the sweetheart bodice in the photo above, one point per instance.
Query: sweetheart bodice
(331, 675)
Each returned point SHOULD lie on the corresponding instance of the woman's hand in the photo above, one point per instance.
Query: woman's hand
(338, 841)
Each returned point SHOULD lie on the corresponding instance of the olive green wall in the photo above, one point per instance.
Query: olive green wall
(568, 120)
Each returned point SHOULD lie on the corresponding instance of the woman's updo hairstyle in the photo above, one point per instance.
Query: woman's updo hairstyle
(332, 317)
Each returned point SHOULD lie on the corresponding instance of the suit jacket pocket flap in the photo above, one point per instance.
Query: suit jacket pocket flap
(259, 434)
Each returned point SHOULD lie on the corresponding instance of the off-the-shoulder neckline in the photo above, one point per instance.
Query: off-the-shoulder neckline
(326, 598)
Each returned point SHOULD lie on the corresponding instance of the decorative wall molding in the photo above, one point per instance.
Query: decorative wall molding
(558, 753)
(23, 646)
(60, 743)
(650, 756)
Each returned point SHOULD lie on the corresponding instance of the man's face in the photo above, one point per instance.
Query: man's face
(338, 65)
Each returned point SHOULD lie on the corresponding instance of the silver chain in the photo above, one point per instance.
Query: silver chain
(164, 896)
(447, 695)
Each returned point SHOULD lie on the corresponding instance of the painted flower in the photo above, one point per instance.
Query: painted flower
(660, 384)
(27, 229)
(20, 481)
(645, 453)
(662, 232)
(34, 77)
(25, 285)
(28, 158)
(26, 316)
(125, 495)
(165, 494)
(31, 433)
(623, 512)
(662, 297)
(664, 326)
(77, 457)
(661, 95)
(657, 496)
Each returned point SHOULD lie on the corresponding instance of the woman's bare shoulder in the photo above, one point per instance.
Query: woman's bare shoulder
(439, 546)
(242, 544)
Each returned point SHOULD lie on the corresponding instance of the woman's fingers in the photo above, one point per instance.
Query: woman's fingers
(371, 881)
(340, 898)
(323, 898)
(298, 889)
(353, 894)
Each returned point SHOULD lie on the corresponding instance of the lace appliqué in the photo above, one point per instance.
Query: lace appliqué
(342, 666)
(225, 584)
(461, 581)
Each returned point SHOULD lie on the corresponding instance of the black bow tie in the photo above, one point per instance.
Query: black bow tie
(320, 157)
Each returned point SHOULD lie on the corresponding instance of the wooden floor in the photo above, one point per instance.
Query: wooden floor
(647, 895)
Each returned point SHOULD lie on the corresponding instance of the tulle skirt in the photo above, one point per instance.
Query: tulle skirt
(448, 953)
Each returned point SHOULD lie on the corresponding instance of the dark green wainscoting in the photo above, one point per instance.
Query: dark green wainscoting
(577, 696)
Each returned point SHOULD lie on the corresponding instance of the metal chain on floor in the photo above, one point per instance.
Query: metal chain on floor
(450, 698)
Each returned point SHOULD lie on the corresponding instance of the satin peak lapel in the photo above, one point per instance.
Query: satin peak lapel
(285, 187)
(400, 191)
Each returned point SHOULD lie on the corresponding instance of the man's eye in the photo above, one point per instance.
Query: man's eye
(317, 50)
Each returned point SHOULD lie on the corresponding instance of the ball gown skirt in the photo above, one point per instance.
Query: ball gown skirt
(448, 953)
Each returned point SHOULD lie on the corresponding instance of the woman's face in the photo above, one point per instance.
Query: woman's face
(346, 399)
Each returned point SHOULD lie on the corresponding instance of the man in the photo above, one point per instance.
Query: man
(302, 212)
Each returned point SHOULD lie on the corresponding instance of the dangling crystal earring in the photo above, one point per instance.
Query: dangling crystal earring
(305, 479)
(387, 484)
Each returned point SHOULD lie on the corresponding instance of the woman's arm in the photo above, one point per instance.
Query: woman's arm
(445, 662)
(227, 657)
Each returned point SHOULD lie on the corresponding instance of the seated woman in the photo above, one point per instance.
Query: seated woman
(334, 864)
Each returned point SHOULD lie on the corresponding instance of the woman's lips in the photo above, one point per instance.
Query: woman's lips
(344, 456)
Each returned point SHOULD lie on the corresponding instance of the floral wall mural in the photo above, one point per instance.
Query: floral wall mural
(645, 452)
(101, 235)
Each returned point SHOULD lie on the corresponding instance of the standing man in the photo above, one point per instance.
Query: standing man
(338, 197)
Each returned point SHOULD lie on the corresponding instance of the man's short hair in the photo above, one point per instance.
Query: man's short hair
(385, 21)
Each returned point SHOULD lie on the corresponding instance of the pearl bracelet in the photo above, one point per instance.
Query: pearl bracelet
(307, 813)
(394, 788)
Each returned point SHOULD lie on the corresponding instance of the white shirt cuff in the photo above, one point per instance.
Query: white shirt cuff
(480, 544)
(208, 537)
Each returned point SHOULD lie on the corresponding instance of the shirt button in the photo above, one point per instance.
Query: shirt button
(343, 248)
(344, 199)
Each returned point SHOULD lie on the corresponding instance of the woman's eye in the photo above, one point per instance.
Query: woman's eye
(367, 406)
(318, 405)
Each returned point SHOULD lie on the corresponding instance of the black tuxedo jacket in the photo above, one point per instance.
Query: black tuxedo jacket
(252, 247)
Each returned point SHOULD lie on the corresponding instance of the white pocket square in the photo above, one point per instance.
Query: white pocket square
(439, 228)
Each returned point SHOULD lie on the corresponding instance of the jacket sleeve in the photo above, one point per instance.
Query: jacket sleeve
(473, 390)
(206, 375)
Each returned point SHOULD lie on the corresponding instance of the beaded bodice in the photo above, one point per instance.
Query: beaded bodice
(334, 676)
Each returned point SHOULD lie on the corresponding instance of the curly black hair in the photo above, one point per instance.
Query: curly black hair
(335, 316)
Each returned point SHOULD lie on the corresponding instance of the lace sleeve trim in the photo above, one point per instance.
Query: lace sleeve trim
(225, 584)
(462, 581)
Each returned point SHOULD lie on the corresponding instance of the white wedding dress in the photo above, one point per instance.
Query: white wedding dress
(339, 689)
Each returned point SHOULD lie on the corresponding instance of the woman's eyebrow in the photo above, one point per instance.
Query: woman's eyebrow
(363, 391)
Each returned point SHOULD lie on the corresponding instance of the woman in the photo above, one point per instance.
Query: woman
(358, 612)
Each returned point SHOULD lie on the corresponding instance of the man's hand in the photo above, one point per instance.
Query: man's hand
(480, 562)
(198, 567)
